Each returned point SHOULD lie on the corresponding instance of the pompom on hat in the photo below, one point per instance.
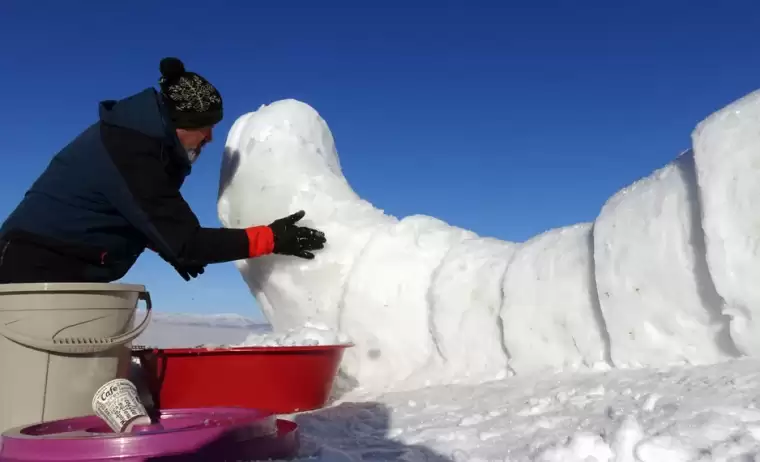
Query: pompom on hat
(191, 100)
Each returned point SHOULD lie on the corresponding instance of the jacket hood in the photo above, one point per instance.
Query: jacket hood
(144, 112)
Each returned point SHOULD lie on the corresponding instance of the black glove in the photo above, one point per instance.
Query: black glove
(194, 271)
(298, 241)
(189, 271)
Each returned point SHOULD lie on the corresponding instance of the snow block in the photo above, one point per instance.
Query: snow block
(466, 298)
(386, 308)
(656, 295)
(727, 154)
(279, 160)
(550, 314)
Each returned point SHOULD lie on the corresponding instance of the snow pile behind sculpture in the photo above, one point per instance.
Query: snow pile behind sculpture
(429, 303)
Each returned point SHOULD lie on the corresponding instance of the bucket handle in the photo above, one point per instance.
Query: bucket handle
(83, 345)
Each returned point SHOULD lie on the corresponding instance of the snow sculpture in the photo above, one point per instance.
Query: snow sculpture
(429, 303)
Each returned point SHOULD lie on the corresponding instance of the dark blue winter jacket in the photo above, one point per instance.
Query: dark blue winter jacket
(105, 197)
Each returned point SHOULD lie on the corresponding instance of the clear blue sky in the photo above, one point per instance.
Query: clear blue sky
(507, 120)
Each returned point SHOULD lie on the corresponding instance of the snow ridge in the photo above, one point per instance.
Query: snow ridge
(428, 303)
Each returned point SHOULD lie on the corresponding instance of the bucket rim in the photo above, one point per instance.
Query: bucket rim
(283, 443)
(139, 350)
(71, 287)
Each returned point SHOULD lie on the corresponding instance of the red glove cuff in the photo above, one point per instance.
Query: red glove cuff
(260, 241)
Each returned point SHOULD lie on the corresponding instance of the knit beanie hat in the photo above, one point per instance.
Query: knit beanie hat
(191, 100)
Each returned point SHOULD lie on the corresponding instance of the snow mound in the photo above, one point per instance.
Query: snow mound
(311, 334)
(426, 303)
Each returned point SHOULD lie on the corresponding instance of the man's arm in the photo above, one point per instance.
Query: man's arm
(145, 169)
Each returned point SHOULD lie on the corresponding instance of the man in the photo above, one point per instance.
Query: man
(115, 190)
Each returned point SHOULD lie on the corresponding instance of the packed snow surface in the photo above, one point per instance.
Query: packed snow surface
(692, 413)
(427, 303)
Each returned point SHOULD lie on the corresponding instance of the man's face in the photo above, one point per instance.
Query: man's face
(195, 139)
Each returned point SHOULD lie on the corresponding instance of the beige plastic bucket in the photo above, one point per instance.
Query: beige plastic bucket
(59, 342)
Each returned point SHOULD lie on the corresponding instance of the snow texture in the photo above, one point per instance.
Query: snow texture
(727, 155)
(656, 295)
(692, 413)
(465, 297)
(429, 304)
(549, 313)
(387, 304)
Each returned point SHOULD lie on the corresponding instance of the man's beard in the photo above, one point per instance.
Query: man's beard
(192, 154)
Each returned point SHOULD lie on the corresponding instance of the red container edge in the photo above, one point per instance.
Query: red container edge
(248, 349)
(280, 379)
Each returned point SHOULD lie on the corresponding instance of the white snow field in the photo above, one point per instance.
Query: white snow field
(617, 340)
(190, 330)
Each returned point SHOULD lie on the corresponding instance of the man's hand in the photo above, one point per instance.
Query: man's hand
(298, 241)
(195, 271)
(189, 271)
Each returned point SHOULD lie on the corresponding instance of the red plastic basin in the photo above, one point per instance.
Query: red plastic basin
(280, 380)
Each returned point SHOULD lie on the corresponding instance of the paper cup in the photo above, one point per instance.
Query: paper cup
(118, 403)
